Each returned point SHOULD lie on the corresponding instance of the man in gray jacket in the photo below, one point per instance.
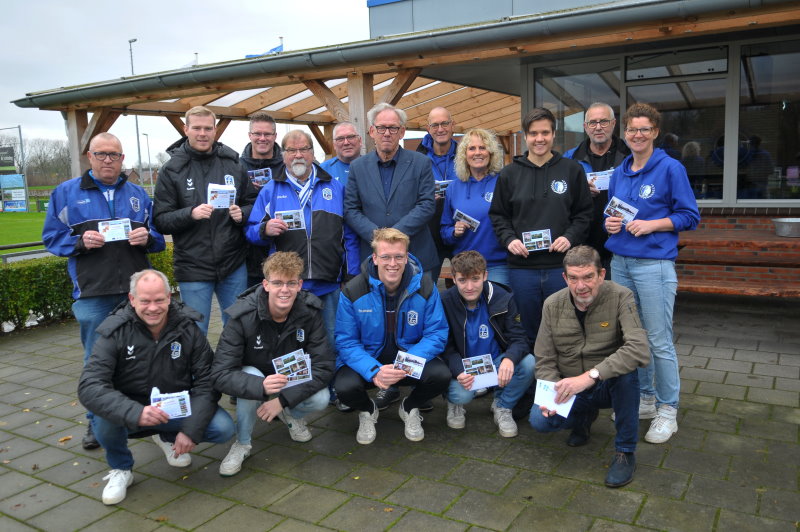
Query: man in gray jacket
(590, 344)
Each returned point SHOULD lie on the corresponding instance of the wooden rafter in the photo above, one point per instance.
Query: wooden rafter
(330, 100)
(101, 121)
(323, 141)
(395, 91)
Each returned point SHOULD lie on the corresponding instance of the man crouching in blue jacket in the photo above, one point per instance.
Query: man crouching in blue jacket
(484, 320)
(389, 307)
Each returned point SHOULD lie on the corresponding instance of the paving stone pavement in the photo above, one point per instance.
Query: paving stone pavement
(733, 465)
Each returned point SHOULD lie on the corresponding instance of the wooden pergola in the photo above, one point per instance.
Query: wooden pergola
(322, 86)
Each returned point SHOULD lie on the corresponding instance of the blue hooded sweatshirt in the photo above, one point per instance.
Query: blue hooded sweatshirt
(442, 165)
(659, 190)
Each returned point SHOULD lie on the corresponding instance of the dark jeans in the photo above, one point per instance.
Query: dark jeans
(531, 287)
(620, 393)
(351, 388)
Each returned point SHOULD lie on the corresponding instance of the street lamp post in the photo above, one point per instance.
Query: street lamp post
(149, 164)
(136, 117)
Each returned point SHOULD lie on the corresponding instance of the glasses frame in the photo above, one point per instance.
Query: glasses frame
(394, 130)
(294, 151)
(103, 155)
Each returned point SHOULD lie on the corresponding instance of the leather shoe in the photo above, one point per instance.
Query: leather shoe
(580, 434)
(89, 442)
(620, 470)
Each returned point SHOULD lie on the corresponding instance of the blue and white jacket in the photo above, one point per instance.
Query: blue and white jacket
(76, 206)
(360, 322)
(659, 190)
(328, 247)
(338, 169)
(473, 198)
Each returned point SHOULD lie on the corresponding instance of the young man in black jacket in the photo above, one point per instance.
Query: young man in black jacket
(483, 320)
(269, 321)
(151, 342)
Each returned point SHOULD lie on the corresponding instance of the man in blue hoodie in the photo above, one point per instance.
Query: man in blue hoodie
(389, 307)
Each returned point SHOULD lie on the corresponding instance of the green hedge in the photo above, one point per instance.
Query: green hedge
(43, 286)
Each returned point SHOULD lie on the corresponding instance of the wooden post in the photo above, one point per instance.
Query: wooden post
(360, 98)
(77, 122)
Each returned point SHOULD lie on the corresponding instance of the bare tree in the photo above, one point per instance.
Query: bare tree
(48, 161)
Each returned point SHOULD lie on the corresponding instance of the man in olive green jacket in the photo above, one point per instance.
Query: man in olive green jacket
(590, 344)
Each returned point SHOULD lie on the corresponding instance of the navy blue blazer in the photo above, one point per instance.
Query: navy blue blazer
(408, 208)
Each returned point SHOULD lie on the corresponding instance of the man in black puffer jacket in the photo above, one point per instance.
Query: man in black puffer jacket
(209, 245)
(150, 342)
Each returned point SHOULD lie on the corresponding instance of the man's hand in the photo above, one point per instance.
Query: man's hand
(139, 236)
(274, 383)
(546, 412)
(202, 212)
(183, 444)
(505, 372)
(235, 213)
(152, 416)
(269, 410)
(93, 240)
(516, 247)
(459, 229)
(466, 380)
(566, 388)
(387, 376)
(613, 225)
(276, 227)
(560, 244)
(593, 188)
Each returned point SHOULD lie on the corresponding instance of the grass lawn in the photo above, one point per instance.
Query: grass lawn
(18, 227)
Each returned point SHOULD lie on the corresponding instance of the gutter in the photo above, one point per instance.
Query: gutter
(473, 36)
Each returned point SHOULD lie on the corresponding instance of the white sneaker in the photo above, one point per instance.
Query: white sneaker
(413, 422)
(366, 426)
(298, 430)
(183, 460)
(504, 420)
(117, 487)
(663, 426)
(232, 463)
(647, 409)
(456, 416)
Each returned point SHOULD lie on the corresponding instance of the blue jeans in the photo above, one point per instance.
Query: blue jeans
(654, 284)
(246, 409)
(197, 294)
(90, 313)
(114, 438)
(620, 393)
(531, 288)
(330, 302)
(506, 397)
(498, 274)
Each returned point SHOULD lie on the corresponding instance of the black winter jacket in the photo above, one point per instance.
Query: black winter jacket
(205, 250)
(249, 339)
(503, 317)
(126, 363)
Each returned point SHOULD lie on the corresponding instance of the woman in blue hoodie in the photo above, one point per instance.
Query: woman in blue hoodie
(644, 256)
(477, 163)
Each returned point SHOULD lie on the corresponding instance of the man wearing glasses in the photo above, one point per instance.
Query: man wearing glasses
(347, 145)
(268, 322)
(599, 154)
(389, 307)
(302, 210)
(261, 158)
(100, 264)
(210, 247)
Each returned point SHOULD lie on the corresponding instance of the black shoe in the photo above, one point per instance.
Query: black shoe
(341, 407)
(89, 441)
(620, 470)
(580, 434)
(427, 406)
(386, 397)
(232, 400)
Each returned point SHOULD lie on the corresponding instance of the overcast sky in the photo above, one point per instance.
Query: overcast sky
(51, 44)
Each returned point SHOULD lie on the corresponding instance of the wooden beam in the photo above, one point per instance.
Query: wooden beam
(101, 122)
(327, 130)
(325, 144)
(177, 123)
(399, 85)
(222, 125)
(201, 100)
(329, 100)
(360, 101)
(77, 122)
(449, 100)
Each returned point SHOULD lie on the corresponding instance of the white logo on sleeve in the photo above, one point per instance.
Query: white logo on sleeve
(189, 183)
(559, 187)
(301, 335)
(327, 194)
(413, 317)
(135, 204)
(175, 350)
(130, 356)
(483, 331)
(258, 342)
(647, 191)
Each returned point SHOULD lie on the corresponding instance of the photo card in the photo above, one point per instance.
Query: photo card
(411, 364)
(483, 369)
(538, 240)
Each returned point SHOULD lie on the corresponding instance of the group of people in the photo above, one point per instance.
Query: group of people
(327, 278)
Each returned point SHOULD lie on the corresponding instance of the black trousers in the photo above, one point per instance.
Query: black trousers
(351, 388)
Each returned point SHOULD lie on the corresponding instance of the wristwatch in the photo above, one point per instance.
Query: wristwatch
(595, 375)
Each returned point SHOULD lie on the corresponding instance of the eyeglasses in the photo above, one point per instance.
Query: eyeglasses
(293, 151)
(643, 130)
(443, 124)
(281, 284)
(103, 155)
(392, 258)
(391, 129)
(604, 123)
(348, 138)
(259, 135)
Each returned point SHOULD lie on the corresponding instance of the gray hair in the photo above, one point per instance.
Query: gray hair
(340, 125)
(603, 105)
(295, 133)
(381, 107)
(136, 277)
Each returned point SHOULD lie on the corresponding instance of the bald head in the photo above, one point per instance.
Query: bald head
(441, 127)
(105, 158)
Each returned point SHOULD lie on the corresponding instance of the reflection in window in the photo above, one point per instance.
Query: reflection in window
(679, 63)
(769, 121)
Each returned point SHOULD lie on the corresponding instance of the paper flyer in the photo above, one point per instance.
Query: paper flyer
(294, 219)
(411, 364)
(600, 179)
(460, 216)
(538, 240)
(439, 187)
(260, 177)
(295, 365)
(546, 397)
(176, 405)
(221, 196)
(113, 230)
(482, 368)
(619, 209)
